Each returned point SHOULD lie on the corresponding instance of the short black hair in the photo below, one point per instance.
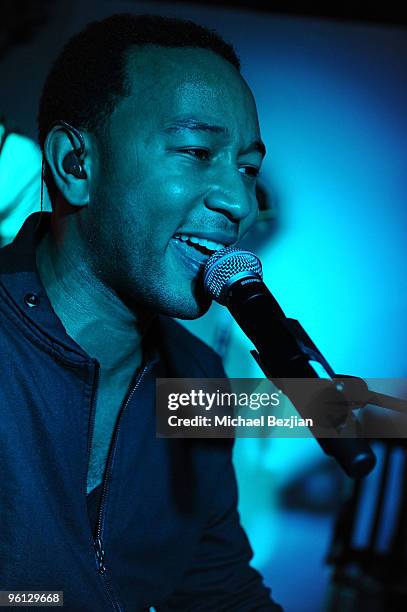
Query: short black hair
(88, 78)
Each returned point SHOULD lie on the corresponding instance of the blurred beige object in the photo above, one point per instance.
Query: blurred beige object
(20, 183)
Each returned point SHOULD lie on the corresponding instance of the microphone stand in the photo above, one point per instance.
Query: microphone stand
(341, 395)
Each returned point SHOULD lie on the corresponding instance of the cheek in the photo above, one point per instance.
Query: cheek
(150, 214)
(166, 203)
(147, 203)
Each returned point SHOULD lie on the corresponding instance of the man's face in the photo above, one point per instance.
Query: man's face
(175, 178)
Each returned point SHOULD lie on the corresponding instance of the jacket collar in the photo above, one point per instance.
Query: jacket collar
(24, 290)
(22, 285)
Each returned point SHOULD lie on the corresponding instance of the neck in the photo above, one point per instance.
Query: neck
(91, 312)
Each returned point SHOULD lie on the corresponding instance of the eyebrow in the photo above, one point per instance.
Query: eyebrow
(190, 123)
(193, 124)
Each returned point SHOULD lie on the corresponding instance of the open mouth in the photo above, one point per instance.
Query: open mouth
(202, 245)
(195, 251)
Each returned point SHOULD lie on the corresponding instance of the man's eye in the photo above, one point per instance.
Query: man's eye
(197, 152)
(250, 171)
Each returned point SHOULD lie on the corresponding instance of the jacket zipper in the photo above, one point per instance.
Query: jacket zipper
(98, 542)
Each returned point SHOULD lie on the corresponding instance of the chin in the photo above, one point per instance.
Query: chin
(188, 300)
(189, 309)
(191, 306)
(191, 314)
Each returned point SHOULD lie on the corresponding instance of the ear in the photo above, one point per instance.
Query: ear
(57, 146)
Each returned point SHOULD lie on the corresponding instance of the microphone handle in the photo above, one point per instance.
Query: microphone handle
(281, 355)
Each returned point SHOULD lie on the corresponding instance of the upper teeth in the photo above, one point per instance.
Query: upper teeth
(209, 244)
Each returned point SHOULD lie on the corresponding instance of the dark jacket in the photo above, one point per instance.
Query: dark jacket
(168, 532)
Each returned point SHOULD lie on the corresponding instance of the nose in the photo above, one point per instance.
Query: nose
(229, 195)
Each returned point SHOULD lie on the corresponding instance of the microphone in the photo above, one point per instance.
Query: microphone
(234, 278)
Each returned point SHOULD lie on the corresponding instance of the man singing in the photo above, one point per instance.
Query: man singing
(152, 146)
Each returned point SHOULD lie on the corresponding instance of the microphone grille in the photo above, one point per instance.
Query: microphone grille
(227, 264)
